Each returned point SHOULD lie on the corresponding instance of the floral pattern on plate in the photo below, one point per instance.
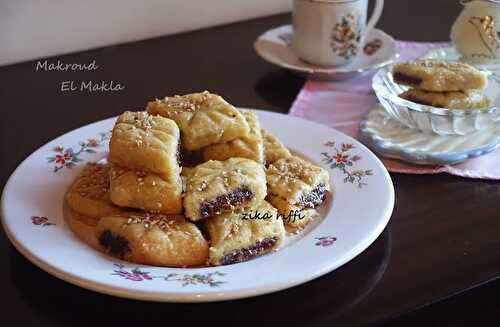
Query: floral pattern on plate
(41, 221)
(95, 271)
(68, 158)
(343, 160)
(137, 275)
(325, 241)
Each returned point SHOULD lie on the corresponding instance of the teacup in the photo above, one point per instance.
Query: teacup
(331, 32)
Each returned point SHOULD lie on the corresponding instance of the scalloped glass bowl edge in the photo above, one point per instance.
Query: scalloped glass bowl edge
(431, 119)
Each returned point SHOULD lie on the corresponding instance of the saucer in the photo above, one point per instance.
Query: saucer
(388, 138)
(274, 46)
(450, 53)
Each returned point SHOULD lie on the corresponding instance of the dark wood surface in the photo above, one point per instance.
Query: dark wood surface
(441, 243)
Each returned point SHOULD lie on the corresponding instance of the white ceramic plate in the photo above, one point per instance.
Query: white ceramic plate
(389, 138)
(362, 204)
(274, 46)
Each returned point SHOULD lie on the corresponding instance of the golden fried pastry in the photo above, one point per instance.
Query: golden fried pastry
(451, 100)
(186, 172)
(203, 118)
(145, 142)
(240, 236)
(250, 146)
(273, 148)
(89, 193)
(82, 226)
(296, 187)
(157, 240)
(439, 75)
(215, 187)
(146, 191)
(87, 201)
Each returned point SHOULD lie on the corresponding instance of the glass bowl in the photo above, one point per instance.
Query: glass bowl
(433, 119)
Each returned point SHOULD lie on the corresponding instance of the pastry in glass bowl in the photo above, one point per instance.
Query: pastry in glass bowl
(437, 75)
(472, 99)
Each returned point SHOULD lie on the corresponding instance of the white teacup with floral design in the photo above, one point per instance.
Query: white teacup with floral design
(331, 32)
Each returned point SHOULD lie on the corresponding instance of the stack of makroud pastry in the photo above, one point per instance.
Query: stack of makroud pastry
(135, 201)
(242, 210)
(443, 84)
(225, 191)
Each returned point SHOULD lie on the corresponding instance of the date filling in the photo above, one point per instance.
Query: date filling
(315, 198)
(115, 244)
(226, 202)
(406, 79)
(416, 100)
(247, 253)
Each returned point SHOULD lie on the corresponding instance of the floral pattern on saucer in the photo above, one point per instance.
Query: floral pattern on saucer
(372, 46)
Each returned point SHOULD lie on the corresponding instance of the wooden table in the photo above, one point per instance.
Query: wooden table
(440, 245)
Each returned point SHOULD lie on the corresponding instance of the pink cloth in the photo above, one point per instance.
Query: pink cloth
(342, 105)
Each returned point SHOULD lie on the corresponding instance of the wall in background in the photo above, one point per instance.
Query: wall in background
(31, 29)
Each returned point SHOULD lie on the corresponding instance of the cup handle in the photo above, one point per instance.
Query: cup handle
(377, 11)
